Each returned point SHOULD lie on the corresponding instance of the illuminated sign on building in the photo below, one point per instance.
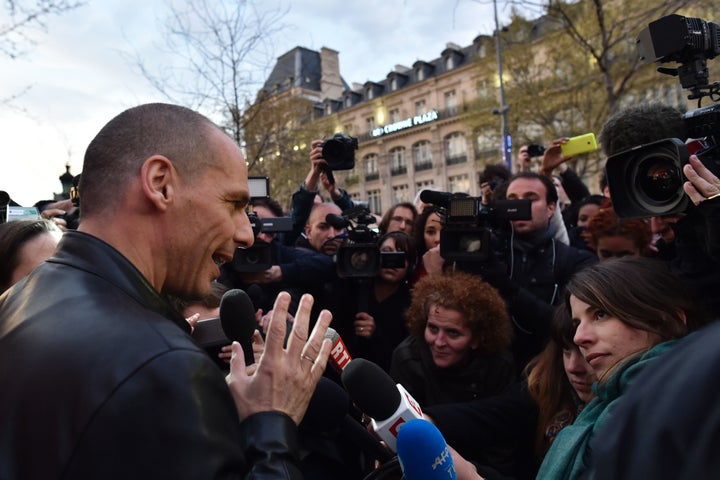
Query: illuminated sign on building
(430, 116)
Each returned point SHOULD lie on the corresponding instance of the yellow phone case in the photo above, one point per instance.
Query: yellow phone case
(580, 144)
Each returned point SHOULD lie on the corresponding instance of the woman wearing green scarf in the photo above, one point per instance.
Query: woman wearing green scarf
(628, 312)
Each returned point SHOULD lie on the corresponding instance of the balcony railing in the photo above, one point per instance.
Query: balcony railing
(398, 171)
(369, 177)
(457, 159)
(423, 166)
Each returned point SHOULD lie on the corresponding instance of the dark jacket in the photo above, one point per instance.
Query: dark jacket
(531, 280)
(476, 429)
(413, 367)
(101, 379)
(350, 296)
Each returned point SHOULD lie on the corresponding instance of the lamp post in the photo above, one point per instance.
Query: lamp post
(502, 111)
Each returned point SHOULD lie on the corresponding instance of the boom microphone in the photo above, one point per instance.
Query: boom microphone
(440, 199)
(339, 355)
(423, 452)
(237, 317)
(376, 394)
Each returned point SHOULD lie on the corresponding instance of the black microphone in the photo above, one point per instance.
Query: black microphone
(237, 317)
(376, 394)
(440, 199)
(327, 412)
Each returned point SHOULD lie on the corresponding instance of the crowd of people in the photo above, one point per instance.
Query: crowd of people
(518, 355)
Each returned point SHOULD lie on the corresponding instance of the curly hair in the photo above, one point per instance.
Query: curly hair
(482, 305)
(605, 223)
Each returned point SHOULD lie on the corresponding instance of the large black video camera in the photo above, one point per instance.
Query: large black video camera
(647, 180)
(473, 231)
(260, 256)
(359, 255)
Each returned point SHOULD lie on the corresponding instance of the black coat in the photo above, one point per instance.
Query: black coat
(101, 379)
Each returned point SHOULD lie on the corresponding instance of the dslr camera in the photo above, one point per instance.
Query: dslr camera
(359, 256)
(339, 152)
(647, 180)
(473, 231)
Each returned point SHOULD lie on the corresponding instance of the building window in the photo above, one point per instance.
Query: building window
(455, 148)
(398, 164)
(449, 63)
(459, 184)
(420, 74)
(424, 185)
(370, 122)
(394, 115)
(393, 83)
(420, 107)
(451, 102)
(401, 193)
(374, 201)
(371, 167)
(348, 101)
(369, 93)
(422, 156)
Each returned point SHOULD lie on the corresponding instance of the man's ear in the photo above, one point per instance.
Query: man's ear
(551, 209)
(158, 179)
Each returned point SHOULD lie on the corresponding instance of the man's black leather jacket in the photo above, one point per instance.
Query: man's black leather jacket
(101, 379)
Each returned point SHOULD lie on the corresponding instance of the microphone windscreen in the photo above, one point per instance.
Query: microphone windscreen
(237, 317)
(440, 199)
(372, 390)
(327, 409)
(332, 335)
(423, 452)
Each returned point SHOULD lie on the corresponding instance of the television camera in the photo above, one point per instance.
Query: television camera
(359, 255)
(473, 231)
(260, 256)
(647, 180)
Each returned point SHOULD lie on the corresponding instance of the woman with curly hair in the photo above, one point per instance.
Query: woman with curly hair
(458, 348)
(610, 236)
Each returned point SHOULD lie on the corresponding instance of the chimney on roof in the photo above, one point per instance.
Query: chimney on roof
(331, 85)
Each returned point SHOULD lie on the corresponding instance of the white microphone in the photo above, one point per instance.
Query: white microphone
(376, 394)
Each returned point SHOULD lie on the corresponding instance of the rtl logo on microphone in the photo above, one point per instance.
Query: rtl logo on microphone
(340, 355)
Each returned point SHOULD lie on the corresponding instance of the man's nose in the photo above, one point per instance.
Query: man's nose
(244, 236)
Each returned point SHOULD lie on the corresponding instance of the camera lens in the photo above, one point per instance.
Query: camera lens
(658, 179)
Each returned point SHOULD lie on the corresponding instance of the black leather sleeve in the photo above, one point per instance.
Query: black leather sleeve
(270, 443)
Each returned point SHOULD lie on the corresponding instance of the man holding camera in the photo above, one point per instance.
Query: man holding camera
(307, 194)
(535, 266)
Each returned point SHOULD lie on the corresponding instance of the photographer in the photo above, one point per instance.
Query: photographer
(295, 270)
(369, 312)
(305, 196)
(692, 234)
(531, 267)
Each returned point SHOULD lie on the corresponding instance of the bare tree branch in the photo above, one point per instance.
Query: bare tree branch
(22, 17)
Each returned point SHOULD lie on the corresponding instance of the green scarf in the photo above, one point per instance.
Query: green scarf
(568, 455)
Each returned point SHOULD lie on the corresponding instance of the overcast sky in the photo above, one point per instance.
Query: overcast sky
(79, 78)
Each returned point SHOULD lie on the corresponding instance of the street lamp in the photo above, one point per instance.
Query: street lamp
(502, 111)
